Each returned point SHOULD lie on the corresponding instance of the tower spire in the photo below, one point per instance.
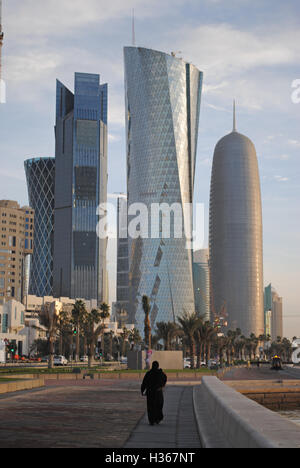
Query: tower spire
(234, 117)
(133, 29)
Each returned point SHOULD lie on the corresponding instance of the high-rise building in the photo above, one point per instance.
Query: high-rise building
(16, 243)
(273, 305)
(202, 283)
(80, 187)
(122, 303)
(163, 95)
(236, 251)
(40, 175)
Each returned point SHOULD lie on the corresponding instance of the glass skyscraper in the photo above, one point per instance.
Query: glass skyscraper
(40, 175)
(236, 243)
(80, 186)
(163, 96)
(202, 283)
(122, 256)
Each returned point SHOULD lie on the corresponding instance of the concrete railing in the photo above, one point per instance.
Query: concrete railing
(238, 421)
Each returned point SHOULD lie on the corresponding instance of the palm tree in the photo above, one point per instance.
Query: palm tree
(92, 327)
(199, 342)
(49, 318)
(105, 311)
(209, 332)
(222, 344)
(147, 329)
(78, 315)
(188, 324)
(124, 335)
(64, 329)
(104, 314)
(135, 336)
(166, 332)
(254, 343)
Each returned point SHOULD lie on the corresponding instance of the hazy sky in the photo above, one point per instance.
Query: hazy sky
(248, 50)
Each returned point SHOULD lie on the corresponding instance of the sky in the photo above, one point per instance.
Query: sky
(248, 50)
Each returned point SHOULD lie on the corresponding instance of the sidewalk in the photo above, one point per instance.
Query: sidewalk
(177, 430)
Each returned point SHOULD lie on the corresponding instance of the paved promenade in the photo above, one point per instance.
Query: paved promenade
(177, 430)
(107, 414)
(73, 414)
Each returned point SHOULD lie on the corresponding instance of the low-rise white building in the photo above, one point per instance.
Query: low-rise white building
(12, 322)
(19, 323)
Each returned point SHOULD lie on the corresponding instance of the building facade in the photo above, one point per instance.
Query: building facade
(162, 94)
(236, 249)
(122, 302)
(16, 244)
(202, 283)
(79, 263)
(273, 305)
(40, 176)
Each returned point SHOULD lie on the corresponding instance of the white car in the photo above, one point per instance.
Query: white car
(60, 361)
(84, 359)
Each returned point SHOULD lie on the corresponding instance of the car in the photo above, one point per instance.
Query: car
(84, 359)
(60, 361)
(123, 360)
(186, 363)
(212, 364)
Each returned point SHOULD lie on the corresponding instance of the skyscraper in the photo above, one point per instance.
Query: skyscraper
(273, 313)
(236, 251)
(202, 283)
(80, 186)
(163, 96)
(122, 304)
(17, 230)
(40, 175)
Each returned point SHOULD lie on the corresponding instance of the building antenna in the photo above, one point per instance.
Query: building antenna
(133, 29)
(234, 117)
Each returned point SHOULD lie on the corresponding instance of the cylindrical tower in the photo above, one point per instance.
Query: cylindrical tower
(162, 115)
(40, 175)
(236, 245)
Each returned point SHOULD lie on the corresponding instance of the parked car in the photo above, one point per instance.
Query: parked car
(84, 359)
(212, 364)
(123, 360)
(187, 363)
(60, 361)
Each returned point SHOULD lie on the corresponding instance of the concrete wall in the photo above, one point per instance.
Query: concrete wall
(18, 385)
(167, 359)
(241, 422)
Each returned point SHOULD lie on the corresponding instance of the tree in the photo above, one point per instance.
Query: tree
(135, 337)
(188, 324)
(166, 332)
(104, 311)
(78, 315)
(124, 335)
(208, 334)
(92, 327)
(49, 318)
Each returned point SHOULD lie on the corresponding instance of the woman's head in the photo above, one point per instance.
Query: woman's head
(155, 365)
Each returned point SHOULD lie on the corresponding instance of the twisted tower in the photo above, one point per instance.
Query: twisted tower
(162, 110)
